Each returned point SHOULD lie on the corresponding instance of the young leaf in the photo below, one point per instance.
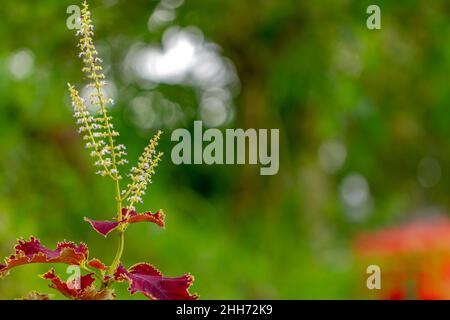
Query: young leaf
(102, 227)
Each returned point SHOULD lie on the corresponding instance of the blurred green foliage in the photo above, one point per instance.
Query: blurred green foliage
(310, 68)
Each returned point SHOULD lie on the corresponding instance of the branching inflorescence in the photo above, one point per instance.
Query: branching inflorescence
(98, 133)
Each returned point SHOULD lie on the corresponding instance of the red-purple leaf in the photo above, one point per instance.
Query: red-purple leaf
(97, 264)
(157, 217)
(146, 279)
(84, 290)
(32, 251)
(121, 273)
(102, 227)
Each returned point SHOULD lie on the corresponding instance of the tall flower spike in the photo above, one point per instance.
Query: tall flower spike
(94, 72)
(89, 129)
(142, 174)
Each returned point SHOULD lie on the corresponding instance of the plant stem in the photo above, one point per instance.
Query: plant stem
(120, 247)
(119, 252)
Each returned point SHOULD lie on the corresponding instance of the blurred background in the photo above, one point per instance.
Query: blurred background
(364, 138)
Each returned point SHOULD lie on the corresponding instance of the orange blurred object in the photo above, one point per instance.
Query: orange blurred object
(414, 259)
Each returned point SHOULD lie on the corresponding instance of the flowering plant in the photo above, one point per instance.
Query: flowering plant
(98, 131)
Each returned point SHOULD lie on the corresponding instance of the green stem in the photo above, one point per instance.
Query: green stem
(119, 252)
